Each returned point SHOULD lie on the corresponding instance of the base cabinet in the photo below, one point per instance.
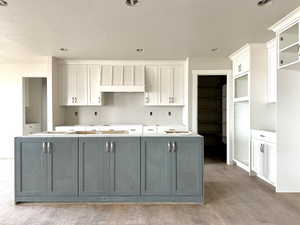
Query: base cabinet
(46, 167)
(109, 169)
(172, 167)
(109, 166)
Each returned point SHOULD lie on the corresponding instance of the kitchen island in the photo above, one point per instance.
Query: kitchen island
(109, 168)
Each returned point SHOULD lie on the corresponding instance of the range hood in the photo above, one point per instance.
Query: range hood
(122, 78)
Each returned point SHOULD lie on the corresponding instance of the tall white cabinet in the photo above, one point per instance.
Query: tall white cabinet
(249, 87)
(288, 107)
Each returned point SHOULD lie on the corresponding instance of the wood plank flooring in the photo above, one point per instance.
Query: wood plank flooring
(232, 198)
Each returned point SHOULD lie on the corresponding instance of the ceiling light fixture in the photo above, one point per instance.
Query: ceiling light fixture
(139, 50)
(263, 2)
(63, 49)
(3, 3)
(132, 3)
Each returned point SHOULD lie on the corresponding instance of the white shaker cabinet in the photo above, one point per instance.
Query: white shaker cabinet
(74, 85)
(272, 72)
(164, 85)
(95, 96)
(264, 155)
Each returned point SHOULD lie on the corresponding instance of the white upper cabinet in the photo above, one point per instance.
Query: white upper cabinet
(95, 96)
(73, 85)
(164, 85)
(272, 72)
(122, 78)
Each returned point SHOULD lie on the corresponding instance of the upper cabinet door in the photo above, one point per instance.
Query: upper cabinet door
(178, 88)
(166, 95)
(152, 85)
(67, 84)
(94, 79)
(81, 97)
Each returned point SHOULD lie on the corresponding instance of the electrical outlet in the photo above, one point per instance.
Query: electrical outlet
(169, 113)
(95, 113)
(151, 113)
(76, 113)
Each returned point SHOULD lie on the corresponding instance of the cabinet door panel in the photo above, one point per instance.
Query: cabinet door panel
(271, 161)
(31, 167)
(93, 167)
(139, 75)
(62, 166)
(125, 166)
(69, 76)
(128, 75)
(152, 85)
(188, 166)
(95, 95)
(106, 75)
(166, 85)
(117, 75)
(81, 85)
(178, 89)
(156, 167)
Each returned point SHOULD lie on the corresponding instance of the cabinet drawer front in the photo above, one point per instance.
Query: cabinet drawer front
(264, 136)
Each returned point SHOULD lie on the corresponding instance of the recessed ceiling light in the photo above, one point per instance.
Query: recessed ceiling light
(3, 3)
(139, 50)
(63, 49)
(263, 2)
(132, 2)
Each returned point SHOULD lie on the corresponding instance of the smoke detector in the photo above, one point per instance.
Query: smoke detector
(3, 3)
(132, 3)
(263, 2)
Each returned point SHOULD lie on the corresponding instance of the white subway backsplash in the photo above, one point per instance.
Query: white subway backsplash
(123, 108)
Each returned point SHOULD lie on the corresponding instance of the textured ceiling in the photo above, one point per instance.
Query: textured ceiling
(165, 29)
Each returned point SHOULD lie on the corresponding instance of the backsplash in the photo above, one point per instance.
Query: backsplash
(123, 108)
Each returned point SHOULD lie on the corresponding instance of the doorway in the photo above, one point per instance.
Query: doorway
(212, 115)
(34, 105)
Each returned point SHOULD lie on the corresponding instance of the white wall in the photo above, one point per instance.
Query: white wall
(123, 108)
(11, 98)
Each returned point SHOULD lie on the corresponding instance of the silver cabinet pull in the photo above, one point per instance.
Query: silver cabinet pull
(240, 68)
(262, 135)
(173, 147)
(49, 148)
(106, 146)
(169, 147)
(111, 146)
(99, 99)
(44, 147)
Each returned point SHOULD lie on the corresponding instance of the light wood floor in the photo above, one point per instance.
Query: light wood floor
(232, 198)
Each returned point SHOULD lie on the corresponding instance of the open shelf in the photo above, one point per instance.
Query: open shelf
(290, 46)
(291, 66)
(242, 99)
(289, 55)
(289, 37)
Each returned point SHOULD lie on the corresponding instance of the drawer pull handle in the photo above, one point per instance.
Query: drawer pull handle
(262, 135)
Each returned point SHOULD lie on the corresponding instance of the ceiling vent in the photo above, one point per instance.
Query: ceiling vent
(263, 2)
(3, 3)
(132, 2)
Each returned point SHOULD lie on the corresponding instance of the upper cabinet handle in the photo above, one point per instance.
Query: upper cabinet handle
(262, 148)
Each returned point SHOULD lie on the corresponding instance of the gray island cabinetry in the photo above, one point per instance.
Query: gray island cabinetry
(109, 169)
